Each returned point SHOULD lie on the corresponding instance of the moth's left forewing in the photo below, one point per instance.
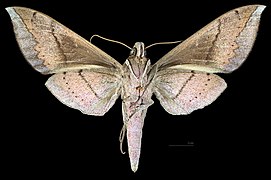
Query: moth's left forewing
(221, 46)
(85, 77)
(50, 47)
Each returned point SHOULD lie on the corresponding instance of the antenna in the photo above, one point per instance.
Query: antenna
(158, 43)
(110, 40)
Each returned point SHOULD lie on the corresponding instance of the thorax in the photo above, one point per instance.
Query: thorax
(136, 77)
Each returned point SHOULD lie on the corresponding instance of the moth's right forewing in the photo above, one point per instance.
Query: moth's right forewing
(184, 81)
(50, 47)
(93, 92)
(220, 46)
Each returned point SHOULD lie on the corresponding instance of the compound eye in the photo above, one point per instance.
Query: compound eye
(133, 52)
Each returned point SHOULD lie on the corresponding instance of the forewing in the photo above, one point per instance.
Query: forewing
(220, 46)
(51, 47)
(91, 92)
(86, 78)
(183, 92)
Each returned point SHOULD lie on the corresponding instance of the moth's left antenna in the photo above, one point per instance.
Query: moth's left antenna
(111, 40)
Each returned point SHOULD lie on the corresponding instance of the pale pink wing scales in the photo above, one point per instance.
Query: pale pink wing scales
(182, 84)
(86, 77)
(93, 93)
(183, 92)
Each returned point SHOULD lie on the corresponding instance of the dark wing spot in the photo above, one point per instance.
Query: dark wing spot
(33, 17)
(237, 13)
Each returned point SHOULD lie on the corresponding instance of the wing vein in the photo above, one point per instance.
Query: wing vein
(58, 43)
(215, 39)
(184, 84)
(88, 84)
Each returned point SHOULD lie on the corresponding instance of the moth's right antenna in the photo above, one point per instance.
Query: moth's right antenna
(111, 40)
(171, 42)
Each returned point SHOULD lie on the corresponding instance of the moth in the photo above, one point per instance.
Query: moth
(88, 79)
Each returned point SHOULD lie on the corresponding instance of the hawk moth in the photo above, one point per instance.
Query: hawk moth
(86, 78)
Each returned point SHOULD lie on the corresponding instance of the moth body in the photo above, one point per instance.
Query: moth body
(136, 95)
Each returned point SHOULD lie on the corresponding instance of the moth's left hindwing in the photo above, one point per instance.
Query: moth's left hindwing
(86, 78)
(92, 92)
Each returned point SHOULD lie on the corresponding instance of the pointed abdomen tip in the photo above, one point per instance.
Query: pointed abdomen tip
(134, 168)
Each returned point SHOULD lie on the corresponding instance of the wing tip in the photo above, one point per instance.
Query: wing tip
(260, 8)
(11, 12)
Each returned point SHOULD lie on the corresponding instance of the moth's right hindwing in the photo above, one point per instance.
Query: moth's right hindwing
(181, 93)
(184, 81)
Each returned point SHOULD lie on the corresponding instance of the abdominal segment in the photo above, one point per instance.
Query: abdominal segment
(134, 125)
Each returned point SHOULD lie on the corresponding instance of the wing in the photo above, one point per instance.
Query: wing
(86, 78)
(183, 92)
(91, 92)
(183, 82)
(51, 47)
(220, 46)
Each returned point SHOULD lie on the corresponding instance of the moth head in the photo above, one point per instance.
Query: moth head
(137, 62)
(138, 50)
